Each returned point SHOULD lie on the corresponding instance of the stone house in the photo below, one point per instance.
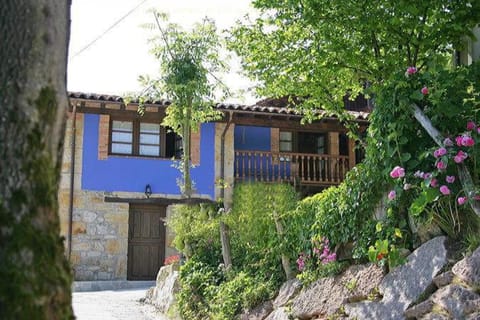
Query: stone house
(118, 181)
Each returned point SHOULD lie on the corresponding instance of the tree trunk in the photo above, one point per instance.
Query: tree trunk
(287, 268)
(225, 241)
(463, 174)
(187, 180)
(35, 275)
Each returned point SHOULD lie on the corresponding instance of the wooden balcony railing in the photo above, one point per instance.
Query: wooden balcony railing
(303, 168)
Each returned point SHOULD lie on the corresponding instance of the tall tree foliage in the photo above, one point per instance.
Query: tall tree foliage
(321, 50)
(35, 275)
(189, 62)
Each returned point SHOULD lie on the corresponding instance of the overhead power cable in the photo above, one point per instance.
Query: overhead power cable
(107, 30)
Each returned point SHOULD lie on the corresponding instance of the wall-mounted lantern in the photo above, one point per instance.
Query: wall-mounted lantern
(148, 190)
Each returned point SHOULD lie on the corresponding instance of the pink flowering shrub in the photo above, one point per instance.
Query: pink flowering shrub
(442, 180)
(319, 262)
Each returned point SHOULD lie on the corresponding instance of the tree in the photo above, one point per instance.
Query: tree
(188, 64)
(321, 50)
(35, 275)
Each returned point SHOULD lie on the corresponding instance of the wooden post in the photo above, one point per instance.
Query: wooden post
(351, 153)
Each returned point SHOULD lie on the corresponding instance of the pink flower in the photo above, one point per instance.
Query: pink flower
(439, 152)
(444, 190)
(461, 200)
(460, 157)
(392, 195)
(441, 165)
(427, 175)
(301, 262)
(450, 179)
(411, 70)
(424, 91)
(397, 172)
(467, 141)
(478, 130)
(458, 141)
(470, 125)
(434, 183)
(448, 142)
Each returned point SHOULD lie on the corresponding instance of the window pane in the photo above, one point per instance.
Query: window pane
(153, 128)
(121, 137)
(122, 148)
(285, 136)
(149, 150)
(285, 146)
(122, 125)
(149, 139)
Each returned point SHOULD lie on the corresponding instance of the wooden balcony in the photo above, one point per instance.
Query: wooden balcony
(297, 168)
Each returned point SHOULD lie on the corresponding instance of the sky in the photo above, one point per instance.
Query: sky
(113, 62)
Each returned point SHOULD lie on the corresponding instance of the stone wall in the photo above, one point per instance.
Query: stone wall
(99, 238)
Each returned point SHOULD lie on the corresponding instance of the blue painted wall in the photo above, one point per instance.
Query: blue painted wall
(132, 174)
(252, 138)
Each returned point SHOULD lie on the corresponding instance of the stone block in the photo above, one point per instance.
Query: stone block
(80, 246)
(436, 316)
(405, 284)
(116, 218)
(258, 313)
(287, 291)
(167, 285)
(419, 310)
(104, 276)
(456, 299)
(78, 228)
(112, 246)
(325, 296)
(468, 269)
(88, 216)
(94, 254)
(279, 314)
(443, 279)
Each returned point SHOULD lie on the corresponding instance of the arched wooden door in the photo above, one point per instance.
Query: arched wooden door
(146, 241)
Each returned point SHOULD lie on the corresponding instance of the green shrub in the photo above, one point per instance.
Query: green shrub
(256, 245)
(343, 213)
(198, 283)
(196, 229)
(242, 292)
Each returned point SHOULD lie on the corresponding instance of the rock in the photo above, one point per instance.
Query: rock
(456, 299)
(419, 310)
(468, 269)
(404, 285)
(443, 279)
(163, 294)
(316, 299)
(279, 314)
(325, 296)
(258, 313)
(436, 316)
(287, 291)
(473, 316)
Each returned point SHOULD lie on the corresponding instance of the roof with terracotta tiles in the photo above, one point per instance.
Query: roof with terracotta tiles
(266, 106)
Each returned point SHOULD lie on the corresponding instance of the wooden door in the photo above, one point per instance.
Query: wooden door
(146, 241)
